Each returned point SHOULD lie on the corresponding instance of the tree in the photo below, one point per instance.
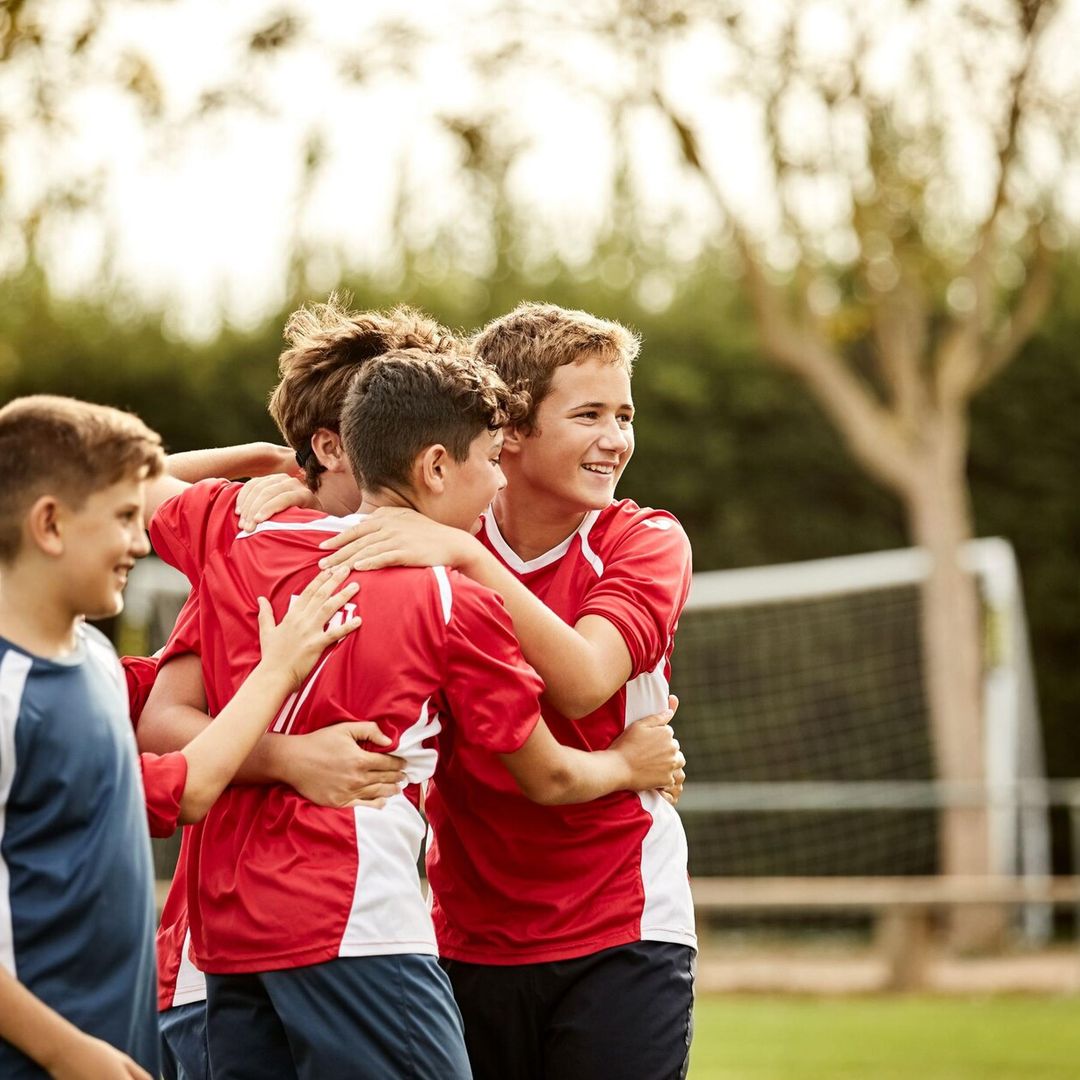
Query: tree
(884, 271)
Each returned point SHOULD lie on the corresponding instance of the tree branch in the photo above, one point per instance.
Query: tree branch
(868, 429)
(1028, 311)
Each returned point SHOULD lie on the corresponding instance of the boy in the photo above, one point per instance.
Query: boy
(326, 345)
(76, 906)
(546, 916)
(344, 943)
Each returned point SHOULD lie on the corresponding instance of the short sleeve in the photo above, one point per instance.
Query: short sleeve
(184, 638)
(188, 528)
(164, 777)
(493, 693)
(644, 586)
(140, 672)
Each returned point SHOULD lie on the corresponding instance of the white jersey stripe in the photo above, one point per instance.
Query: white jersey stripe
(190, 981)
(326, 524)
(420, 760)
(520, 565)
(668, 911)
(306, 690)
(14, 669)
(446, 594)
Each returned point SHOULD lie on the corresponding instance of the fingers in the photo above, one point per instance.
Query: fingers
(369, 731)
(262, 497)
(354, 532)
(371, 804)
(322, 595)
(266, 617)
(660, 719)
(673, 704)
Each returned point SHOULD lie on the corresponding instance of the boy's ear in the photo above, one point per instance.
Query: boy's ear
(44, 525)
(329, 450)
(429, 470)
(512, 440)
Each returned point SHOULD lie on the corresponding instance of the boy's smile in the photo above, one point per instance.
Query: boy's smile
(102, 540)
(582, 439)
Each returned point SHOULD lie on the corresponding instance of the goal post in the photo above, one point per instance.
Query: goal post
(806, 729)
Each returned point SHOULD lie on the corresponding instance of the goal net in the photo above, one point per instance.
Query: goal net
(804, 721)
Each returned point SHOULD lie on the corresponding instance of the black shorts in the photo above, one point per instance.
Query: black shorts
(621, 1014)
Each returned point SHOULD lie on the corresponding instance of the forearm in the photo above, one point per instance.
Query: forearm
(584, 776)
(578, 676)
(217, 753)
(552, 774)
(173, 727)
(229, 462)
(26, 1022)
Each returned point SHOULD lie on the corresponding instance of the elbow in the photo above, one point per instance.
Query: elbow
(577, 702)
(194, 807)
(554, 788)
(199, 795)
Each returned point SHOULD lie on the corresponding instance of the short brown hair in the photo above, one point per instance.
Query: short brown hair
(526, 346)
(405, 401)
(327, 345)
(62, 446)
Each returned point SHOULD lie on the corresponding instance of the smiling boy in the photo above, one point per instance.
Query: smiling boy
(567, 932)
(76, 900)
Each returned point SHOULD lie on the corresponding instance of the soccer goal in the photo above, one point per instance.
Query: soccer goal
(806, 730)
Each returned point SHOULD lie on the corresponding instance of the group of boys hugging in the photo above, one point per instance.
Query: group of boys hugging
(448, 629)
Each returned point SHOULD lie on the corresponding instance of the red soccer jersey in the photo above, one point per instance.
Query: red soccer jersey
(180, 982)
(281, 882)
(517, 883)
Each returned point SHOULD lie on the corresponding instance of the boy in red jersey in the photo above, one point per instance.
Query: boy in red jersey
(309, 917)
(567, 932)
(326, 344)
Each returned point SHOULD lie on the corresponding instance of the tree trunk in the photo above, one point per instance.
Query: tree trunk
(940, 520)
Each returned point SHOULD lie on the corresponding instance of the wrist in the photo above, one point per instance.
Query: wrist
(61, 1047)
(470, 555)
(622, 771)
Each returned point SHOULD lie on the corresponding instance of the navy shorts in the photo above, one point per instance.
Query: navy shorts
(184, 1055)
(621, 1014)
(380, 1016)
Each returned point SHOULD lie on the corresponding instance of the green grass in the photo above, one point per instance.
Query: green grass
(883, 1038)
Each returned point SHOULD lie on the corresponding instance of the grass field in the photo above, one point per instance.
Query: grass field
(883, 1038)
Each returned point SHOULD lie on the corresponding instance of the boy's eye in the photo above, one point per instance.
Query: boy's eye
(590, 415)
(626, 418)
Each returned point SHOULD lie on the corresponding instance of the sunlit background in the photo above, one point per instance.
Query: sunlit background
(848, 232)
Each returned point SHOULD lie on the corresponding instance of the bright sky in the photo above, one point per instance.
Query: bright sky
(200, 215)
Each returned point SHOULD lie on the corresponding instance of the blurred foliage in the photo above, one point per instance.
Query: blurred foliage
(732, 446)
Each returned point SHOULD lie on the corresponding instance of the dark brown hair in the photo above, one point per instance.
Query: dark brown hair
(406, 400)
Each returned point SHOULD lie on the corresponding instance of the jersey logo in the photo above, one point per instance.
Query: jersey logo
(663, 524)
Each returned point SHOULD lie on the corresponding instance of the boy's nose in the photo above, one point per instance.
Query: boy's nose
(140, 544)
(614, 438)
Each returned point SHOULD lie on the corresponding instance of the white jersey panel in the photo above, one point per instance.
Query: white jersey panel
(389, 913)
(668, 910)
(14, 668)
(190, 981)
